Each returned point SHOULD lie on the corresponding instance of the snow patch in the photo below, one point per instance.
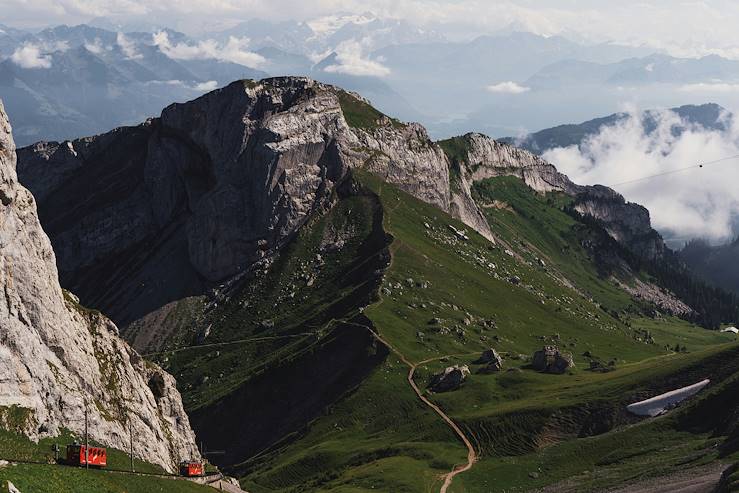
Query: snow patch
(664, 402)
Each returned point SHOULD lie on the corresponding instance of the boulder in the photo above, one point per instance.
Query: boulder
(550, 360)
(449, 379)
(491, 359)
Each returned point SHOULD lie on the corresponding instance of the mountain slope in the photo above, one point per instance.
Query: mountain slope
(60, 359)
(333, 253)
(716, 264)
(205, 197)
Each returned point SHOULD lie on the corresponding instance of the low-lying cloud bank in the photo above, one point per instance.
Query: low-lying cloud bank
(508, 87)
(234, 50)
(701, 202)
(352, 58)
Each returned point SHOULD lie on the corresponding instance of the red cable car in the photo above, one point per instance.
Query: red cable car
(191, 468)
(96, 456)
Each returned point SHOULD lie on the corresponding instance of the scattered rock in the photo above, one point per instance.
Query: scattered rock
(449, 379)
(550, 360)
(491, 359)
(598, 367)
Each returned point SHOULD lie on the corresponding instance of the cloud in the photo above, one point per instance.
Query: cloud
(234, 50)
(198, 87)
(30, 55)
(206, 86)
(128, 47)
(701, 202)
(96, 47)
(508, 87)
(353, 59)
(723, 87)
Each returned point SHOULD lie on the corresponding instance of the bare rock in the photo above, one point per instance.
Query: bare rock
(491, 359)
(449, 379)
(58, 358)
(550, 360)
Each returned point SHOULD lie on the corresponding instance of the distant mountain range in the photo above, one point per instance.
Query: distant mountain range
(67, 81)
(709, 116)
(70, 81)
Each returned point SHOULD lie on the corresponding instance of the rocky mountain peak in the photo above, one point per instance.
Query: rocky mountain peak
(59, 360)
(213, 185)
(480, 157)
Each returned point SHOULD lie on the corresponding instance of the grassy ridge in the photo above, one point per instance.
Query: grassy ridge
(439, 297)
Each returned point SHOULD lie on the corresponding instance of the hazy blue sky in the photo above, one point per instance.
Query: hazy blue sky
(682, 27)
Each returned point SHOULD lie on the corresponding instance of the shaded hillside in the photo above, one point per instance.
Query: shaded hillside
(716, 264)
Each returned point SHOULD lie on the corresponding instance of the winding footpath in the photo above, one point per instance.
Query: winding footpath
(471, 454)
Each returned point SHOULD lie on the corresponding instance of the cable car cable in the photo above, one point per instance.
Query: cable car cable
(679, 170)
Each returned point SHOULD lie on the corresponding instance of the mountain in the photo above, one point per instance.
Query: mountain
(82, 80)
(714, 263)
(708, 116)
(659, 69)
(320, 34)
(62, 361)
(296, 259)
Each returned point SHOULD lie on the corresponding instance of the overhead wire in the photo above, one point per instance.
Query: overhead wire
(679, 170)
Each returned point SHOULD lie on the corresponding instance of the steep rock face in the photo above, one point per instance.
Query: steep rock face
(487, 158)
(56, 358)
(147, 215)
(144, 216)
(626, 222)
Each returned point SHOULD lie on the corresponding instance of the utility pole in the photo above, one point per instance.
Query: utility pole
(87, 447)
(130, 433)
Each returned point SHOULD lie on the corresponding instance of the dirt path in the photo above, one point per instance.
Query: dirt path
(471, 454)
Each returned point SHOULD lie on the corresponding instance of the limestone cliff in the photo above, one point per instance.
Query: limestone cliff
(144, 216)
(58, 358)
(628, 223)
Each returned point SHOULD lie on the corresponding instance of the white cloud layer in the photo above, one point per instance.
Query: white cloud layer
(234, 50)
(206, 86)
(353, 58)
(711, 87)
(30, 56)
(128, 47)
(508, 87)
(697, 203)
(657, 23)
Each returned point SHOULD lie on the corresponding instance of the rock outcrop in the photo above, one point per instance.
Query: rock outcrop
(626, 222)
(147, 215)
(550, 360)
(58, 358)
(449, 379)
(492, 361)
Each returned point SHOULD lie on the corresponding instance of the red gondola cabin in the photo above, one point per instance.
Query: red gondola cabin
(191, 468)
(96, 456)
